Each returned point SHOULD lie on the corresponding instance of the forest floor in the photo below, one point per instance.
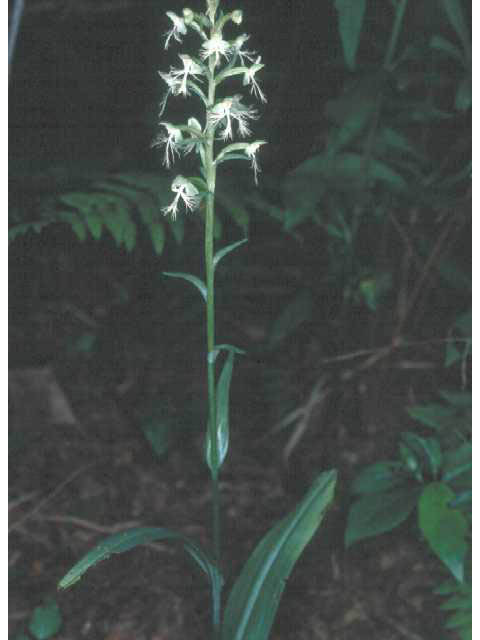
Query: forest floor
(73, 484)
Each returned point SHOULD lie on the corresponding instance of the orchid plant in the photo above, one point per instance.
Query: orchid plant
(253, 601)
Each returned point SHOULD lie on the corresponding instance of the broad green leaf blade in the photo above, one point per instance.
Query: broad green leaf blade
(46, 620)
(223, 252)
(378, 477)
(444, 528)
(201, 286)
(377, 513)
(121, 542)
(223, 403)
(254, 599)
(350, 20)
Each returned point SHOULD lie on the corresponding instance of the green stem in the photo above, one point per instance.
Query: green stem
(210, 174)
(397, 25)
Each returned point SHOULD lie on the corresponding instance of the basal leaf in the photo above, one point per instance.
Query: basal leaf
(121, 542)
(255, 596)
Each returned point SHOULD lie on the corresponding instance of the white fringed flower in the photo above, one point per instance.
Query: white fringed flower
(172, 139)
(185, 191)
(179, 28)
(249, 78)
(190, 68)
(216, 46)
(177, 79)
(237, 48)
(232, 109)
(250, 151)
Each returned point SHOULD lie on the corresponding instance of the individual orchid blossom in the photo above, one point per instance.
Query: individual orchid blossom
(179, 28)
(185, 191)
(171, 140)
(216, 46)
(249, 78)
(190, 67)
(232, 108)
(237, 46)
(250, 151)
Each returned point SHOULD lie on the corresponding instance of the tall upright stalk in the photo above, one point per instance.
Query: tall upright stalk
(210, 170)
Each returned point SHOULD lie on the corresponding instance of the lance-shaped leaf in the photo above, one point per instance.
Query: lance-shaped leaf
(255, 596)
(201, 286)
(223, 404)
(223, 252)
(121, 542)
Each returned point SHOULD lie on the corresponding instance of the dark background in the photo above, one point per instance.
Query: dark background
(84, 98)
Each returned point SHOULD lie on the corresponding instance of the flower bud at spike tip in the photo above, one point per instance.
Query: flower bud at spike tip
(237, 16)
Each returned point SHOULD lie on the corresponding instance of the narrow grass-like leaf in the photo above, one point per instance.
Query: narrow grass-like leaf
(201, 286)
(121, 542)
(255, 596)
